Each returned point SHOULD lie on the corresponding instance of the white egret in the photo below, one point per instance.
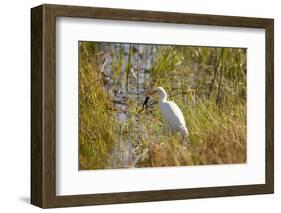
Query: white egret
(171, 113)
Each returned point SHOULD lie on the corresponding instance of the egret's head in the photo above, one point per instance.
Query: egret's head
(161, 93)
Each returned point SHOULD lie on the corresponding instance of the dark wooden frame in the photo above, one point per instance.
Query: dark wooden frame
(43, 105)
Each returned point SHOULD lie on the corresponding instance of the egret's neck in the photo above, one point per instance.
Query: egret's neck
(163, 97)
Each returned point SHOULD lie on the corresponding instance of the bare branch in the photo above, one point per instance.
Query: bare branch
(215, 74)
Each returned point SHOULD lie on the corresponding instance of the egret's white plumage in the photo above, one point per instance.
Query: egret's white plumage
(171, 113)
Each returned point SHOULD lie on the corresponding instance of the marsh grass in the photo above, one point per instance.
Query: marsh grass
(208, 84)
(97, 120)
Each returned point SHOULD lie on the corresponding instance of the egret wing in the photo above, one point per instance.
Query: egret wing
(172, 114)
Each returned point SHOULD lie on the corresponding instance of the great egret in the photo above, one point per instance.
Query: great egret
(171, 113)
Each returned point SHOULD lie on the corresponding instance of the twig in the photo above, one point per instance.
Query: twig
(181, 93)
(148, 106)
(128, 67)
(218, 99)
(138, 69)
(215, 74)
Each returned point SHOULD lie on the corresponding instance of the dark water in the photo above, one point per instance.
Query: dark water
(126, 77)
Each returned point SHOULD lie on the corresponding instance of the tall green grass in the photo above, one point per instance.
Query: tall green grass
(96, 119)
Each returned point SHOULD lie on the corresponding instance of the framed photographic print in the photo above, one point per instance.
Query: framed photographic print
(136, 106)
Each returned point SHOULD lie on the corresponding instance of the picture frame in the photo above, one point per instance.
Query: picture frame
(43, 105)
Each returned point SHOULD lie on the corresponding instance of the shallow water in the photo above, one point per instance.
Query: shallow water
(132, 62)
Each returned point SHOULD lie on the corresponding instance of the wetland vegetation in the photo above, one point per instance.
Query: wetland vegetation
(117, 131)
